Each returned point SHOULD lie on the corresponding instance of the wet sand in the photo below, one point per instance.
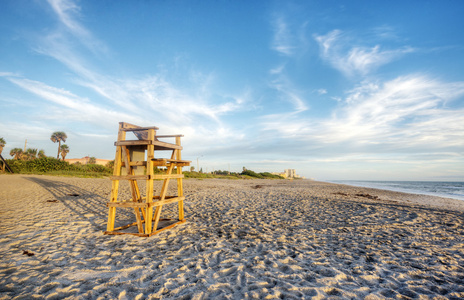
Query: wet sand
(243, 239)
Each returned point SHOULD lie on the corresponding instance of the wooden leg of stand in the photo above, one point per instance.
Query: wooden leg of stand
(139, 220)
(180, 189)
(112, 210)
(150, 173)
(157, 217)
(149, 212)
(180, 193)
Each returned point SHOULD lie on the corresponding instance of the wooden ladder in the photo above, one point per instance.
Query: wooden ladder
(135, 160)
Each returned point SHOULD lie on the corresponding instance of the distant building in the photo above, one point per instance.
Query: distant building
(85, 160)
(288, 174)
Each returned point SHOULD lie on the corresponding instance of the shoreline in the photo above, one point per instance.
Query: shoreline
(413, 197)
(243, 239)
(378, 185)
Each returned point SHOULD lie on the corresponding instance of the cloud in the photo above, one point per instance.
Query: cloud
(355, 60)
(196, 109)
(286, 89)
(407, 114)
(64, 10)
(67, 12)
(277, 70)
(283, 39)
(75, 108)
(151, 93)
(288, 92)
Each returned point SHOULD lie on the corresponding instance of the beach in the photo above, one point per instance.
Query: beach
(243, 239)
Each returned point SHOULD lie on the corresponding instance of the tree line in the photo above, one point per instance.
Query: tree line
(33, 153)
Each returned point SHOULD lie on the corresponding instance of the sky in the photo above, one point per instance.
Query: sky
(361, 90)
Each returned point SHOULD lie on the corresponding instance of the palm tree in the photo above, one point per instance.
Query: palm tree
(2, 144)
(64, 150)
(41, 154)
(30, 154)
(58, 136)
(16, 152)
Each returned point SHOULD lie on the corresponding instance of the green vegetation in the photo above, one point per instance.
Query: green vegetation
(53, 166)
(246, 174)
(41, 154)
(264, 175)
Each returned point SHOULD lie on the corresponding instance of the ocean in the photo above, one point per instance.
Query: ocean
(446, 189)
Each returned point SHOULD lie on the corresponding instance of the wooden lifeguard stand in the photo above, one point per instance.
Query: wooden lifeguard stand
(135, 160)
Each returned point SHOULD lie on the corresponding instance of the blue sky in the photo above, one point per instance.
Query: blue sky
(334, 89)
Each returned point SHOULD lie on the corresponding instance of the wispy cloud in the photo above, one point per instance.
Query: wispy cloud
(128, 94)
(336, 48)
(75, 108)
(195, 109)
(289, 36)
(283, 38)
(409, 113)
(288, 92)
(67, 12)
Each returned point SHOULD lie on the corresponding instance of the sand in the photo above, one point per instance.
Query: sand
(243, 239)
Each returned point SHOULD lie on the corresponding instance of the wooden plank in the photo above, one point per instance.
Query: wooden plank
(149, 185)
(136, 163)
(169, 160)
(139, 219)
(167, 176)
(130, 177)
(169, 136)
(166, 228)
(167, 201)
(134, 143)
(159, 162)
(156, 217)
(115, 183)
(165, 146)
(125, 226)
(159, 204)
(127, 204)
(124, 126)
(133, 186)
(167, 164)
(140, 128)
(122, 233)
(126, 160)
(180, 188)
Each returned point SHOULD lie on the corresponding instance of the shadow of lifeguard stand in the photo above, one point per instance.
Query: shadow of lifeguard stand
(135, 160)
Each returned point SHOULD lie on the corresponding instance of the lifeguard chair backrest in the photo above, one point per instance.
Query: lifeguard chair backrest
(137, 154)
(141, 135)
